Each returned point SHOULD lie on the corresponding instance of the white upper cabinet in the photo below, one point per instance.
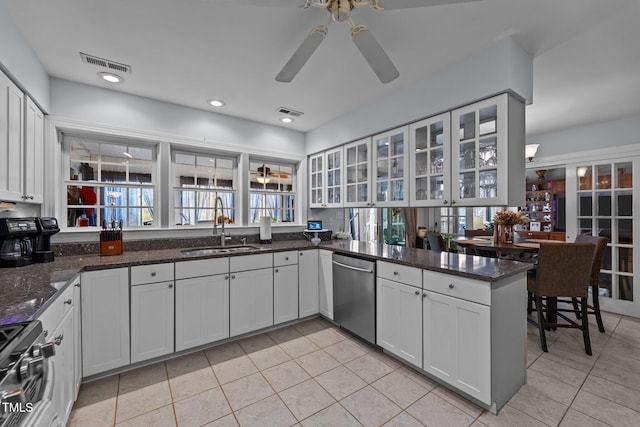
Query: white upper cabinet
(21, 145)
(487, 153)
(357, 180)
(325, 179)
(429, 160)
(391, 165)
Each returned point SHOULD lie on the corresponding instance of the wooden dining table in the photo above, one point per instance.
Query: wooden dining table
(528, 246)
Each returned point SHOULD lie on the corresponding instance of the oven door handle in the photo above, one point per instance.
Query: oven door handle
(350, 267)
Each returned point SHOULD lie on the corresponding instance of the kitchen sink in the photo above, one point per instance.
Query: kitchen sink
(219, 250)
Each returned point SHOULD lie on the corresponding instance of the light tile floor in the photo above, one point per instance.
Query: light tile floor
(313, 374)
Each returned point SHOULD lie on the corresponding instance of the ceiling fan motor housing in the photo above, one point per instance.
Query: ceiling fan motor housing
(340, 10)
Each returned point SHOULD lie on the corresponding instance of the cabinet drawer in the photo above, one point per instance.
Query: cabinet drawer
(201, 267)
(285, 258)
(250, 262)
(58, 308)
(151, 273)
(458, 287)
(399, 273)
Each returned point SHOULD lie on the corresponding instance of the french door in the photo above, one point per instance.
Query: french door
(602, 198)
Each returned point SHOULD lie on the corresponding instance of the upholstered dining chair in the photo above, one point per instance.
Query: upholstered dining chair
(601, 247)
(563, 270)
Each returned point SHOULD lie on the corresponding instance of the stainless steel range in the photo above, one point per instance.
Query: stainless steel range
(26, 377)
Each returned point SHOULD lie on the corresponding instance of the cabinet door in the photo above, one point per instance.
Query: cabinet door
(251, 300)
(308, 282)
(285, 293)
(357, 174)
(64, 384)
(487, 153)
(105, 320)
(316, 181)
(391, 166)
(325, 283)
(151, 320)
(457, 343)
(11, 137)
(33, 153)
(202, 310)
(399, 320)
(429, 157)
(77, 340)
(333, 178)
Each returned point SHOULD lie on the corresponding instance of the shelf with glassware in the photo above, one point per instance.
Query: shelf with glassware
(357, 181)
(430, 152)
(487, 153)
(325, 179)
(391, 164)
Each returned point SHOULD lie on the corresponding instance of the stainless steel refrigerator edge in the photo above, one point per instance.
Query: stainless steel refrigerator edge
(354, 296)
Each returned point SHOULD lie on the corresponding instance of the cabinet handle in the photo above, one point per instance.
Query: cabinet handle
(453, 202)
(58, 339)
(27, 197)
(45, 332)
(301, 253)
(417, 292)
(226, 277)
(170, 286)
(424, 295)
(276, 270)
(233, 276)
(286, 258)
(450, 285)
(77, 285)
(153, 274)
(395, 273)
(68, 302)
(446, 202)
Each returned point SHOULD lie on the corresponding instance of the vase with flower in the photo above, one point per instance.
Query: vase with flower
(504, 222)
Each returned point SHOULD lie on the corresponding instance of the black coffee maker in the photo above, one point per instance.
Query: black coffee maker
(42, 251)
(17, 240)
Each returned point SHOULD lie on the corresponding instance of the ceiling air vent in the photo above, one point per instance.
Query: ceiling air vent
(289, 112)
(107, 64)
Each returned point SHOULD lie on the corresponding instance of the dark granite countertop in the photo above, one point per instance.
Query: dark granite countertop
(26, 291)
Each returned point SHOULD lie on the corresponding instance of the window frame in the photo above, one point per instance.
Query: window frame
(264, 193)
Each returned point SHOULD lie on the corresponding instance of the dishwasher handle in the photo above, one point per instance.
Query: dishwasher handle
(350, 267)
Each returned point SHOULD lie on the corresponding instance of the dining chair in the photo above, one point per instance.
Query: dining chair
(601, 246)
(436, 242)
(563, 270)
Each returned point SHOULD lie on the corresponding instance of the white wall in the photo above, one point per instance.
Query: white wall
(18, 60)
(110, 108)
(500, 67)
(594, 137)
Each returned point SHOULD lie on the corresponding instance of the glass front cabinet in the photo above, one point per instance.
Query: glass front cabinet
(325, 179)
(487, 153)
(391, 165)
(429, 159)
(357, 158)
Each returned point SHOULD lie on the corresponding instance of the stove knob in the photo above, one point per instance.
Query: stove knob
(43, 350)
(16, 396)
(30, 367)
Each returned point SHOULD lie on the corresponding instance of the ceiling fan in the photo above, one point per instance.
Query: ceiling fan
(339, 10)
(264, 174)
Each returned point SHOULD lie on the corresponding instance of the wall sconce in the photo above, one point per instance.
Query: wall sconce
(530, 151)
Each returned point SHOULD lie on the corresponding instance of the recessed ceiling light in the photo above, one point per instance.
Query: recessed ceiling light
(216, 102)
(110, 77)
(286, 120)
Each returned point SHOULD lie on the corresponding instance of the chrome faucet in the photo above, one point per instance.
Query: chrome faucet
(223, 236)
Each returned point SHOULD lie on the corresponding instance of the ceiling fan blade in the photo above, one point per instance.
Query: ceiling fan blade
(407, 4)
(270, 3)
(302, 55)
(374, 54)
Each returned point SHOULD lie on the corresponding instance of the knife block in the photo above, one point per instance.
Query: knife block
(110, 247)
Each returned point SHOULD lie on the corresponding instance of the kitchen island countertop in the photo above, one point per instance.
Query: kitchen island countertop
(26, 291)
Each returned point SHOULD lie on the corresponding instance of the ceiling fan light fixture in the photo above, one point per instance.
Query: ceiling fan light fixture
(340, 10)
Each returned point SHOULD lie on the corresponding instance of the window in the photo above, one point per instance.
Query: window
(271, 191)
(109, 183)
(198, 181)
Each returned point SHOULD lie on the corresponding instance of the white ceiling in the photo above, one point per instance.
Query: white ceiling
(586, 55)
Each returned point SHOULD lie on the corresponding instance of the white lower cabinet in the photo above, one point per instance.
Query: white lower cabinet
(250, 300)
(308, 282)
(325, 283)
(105, 320)
(64, 392)
(152, 320)
(77, 338)
(202, 310)
(457, 343)
(399, 320)
(285, 293)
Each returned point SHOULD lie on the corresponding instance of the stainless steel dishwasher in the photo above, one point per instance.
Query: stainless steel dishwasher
(354, 296)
